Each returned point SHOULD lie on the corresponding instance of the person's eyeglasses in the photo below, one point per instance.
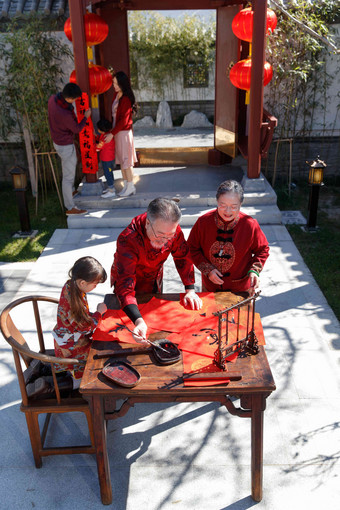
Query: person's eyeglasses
(167, 238)
(233, 208)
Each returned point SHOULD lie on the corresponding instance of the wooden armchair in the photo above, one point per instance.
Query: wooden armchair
(53, 401)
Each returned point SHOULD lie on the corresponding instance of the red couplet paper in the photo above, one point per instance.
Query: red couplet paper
(202, 334)
(173, 316)
(113, 327)
(209, 304)
(201, 364)
(88, 151)
(199, 343)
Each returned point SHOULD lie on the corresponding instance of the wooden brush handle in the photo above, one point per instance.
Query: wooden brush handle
(233, 376)
(122, 352)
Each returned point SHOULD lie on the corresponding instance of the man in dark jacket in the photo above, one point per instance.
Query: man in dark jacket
(63, 126)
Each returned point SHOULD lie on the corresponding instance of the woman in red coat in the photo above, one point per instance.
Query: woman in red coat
(228, 246)
(123, 107)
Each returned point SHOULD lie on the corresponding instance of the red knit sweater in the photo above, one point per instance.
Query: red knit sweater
(63, 124)
(107, 152)
(123, 115)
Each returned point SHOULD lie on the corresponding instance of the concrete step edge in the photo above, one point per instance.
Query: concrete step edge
(105, 218)
(142, 200)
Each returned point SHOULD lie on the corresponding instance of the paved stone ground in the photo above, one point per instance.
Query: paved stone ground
(12, 276)
(191, 456)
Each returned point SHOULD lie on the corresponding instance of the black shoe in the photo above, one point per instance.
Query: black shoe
(37, 369)
(43, 387)
(32, 372)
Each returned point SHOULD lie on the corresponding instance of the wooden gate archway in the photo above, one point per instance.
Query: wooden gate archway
(232, 129)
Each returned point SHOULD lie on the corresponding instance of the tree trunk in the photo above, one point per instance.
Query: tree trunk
(28, 145)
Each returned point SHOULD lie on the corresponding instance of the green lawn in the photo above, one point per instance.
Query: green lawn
(320, 250)
(49, 218)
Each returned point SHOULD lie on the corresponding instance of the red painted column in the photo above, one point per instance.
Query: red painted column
(256, 88)
(77, 11)
(114, 51)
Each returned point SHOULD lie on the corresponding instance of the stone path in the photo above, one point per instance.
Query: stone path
(191, 456)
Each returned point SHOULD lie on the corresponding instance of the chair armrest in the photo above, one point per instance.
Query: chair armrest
(38, 355)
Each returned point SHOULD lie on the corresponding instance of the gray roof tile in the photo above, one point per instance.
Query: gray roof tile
(53, 8)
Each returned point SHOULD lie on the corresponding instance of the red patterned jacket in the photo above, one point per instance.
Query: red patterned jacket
(138, 267)
(66, 325)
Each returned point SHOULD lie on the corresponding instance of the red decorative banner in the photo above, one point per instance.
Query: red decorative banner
(88, 152)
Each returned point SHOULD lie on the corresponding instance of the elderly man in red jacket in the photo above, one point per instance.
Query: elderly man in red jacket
(142, 249)
(63, 126)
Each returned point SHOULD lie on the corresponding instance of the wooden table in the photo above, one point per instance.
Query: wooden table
(165, 384)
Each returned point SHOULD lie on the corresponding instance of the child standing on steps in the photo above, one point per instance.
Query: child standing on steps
(107, 156)
(75, 323)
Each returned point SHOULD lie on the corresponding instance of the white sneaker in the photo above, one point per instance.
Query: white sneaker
(124, 187)
(130, 190)
(107, 190)
(109, 194)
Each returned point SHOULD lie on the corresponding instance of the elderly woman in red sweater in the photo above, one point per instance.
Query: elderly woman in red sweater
(228, 246)
(123, 107)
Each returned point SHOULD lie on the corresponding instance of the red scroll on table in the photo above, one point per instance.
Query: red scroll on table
(195, 332)
(88, 152)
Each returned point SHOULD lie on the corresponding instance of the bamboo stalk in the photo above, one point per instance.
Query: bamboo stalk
(55, 182)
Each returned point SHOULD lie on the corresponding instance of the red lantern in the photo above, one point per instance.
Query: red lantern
(240, 74)
(271, 21)
(96, 29)
(242, 25)
(100, 79)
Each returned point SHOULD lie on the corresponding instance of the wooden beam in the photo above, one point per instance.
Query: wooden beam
(77, 11)
(256, 88)
(226, 95)
(149, 5)
(114, 51)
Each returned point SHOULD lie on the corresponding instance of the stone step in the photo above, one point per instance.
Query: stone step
(174, 155)
(194, 187)
(192, 199)
(120, 218)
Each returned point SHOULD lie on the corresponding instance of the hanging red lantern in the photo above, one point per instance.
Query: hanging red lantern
(240, 74)
(96, 29)
(271, 21)
(242, 24)
(100, 79)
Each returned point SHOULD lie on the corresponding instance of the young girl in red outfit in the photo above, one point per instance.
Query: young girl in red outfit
(123, 107)
(75, 323)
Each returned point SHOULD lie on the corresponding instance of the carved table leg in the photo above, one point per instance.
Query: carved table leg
(257, 409)
(99, 426)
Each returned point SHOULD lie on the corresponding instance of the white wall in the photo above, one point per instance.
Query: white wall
(175, 90)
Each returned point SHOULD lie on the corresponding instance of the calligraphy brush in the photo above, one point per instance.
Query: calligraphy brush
(149, 341)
